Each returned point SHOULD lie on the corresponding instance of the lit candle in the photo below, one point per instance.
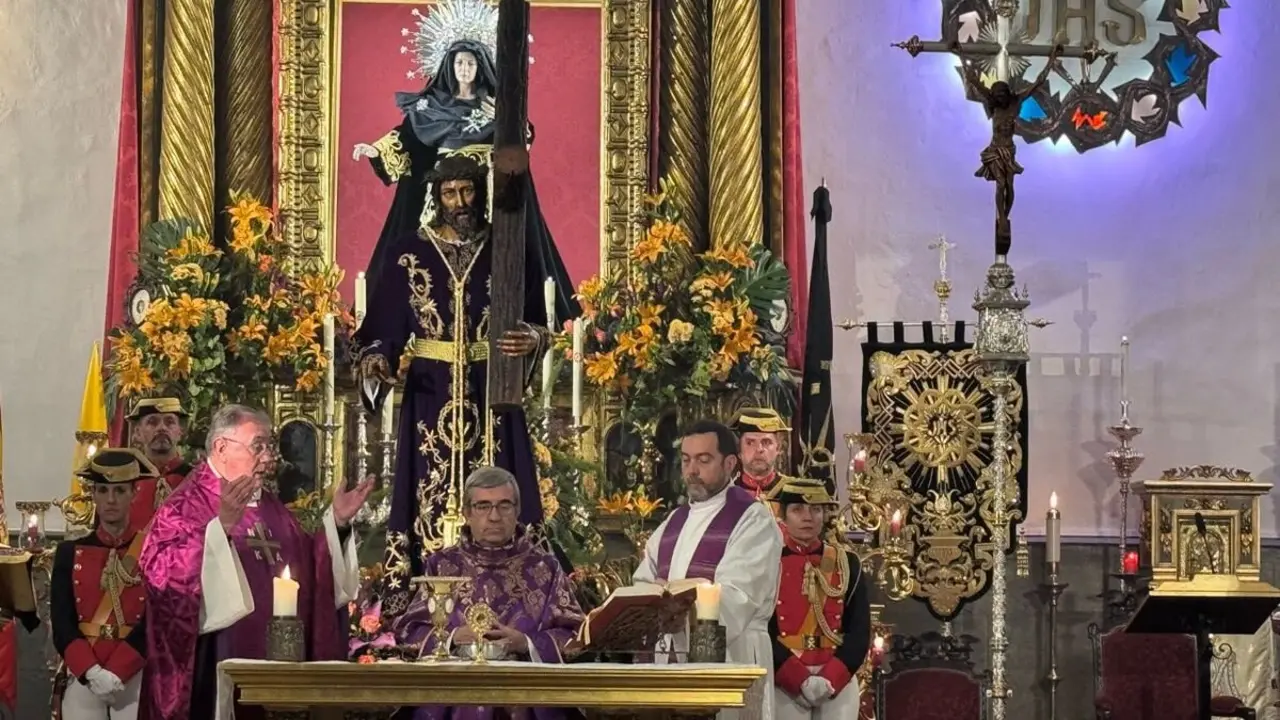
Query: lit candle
(549, 298)
(579, 331)
(1130, 565)
(878, 644)
(860, 461)
(33, 530)
(328, 370)
(361, 300)
(707, 605)
(1124, 375)
(895, 524)
(284, 599)
(1053, 532)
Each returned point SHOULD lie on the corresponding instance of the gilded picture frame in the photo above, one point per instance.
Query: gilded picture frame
(305, 166)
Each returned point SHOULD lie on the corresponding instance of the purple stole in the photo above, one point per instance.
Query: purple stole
(706, 558)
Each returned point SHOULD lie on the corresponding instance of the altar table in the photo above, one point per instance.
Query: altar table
(298, 689)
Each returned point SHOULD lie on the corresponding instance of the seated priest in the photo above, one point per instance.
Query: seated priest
(821, 627)
(725, 536)
(157, 428)
(96, 598)
(761, 435)
(510, 572)
(211, 555)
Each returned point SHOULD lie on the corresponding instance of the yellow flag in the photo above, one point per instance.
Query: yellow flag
(91, 433)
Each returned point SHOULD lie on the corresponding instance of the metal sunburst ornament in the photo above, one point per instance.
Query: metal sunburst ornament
(450, 21)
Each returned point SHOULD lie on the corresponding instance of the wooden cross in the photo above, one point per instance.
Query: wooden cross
(510, 167)
(260, 544)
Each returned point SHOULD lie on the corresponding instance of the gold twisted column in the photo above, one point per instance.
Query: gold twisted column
(244, 102)
(737, 172)
(150, 26)
(686, 65)
(186, 113)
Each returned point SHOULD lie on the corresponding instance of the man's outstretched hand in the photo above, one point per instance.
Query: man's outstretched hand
(519, 342)
(346, 503)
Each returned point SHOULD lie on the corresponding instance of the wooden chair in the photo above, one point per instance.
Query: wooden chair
(931, 677)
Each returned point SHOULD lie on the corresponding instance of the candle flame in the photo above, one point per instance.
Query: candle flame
(1053, 500)
(879, 643)
(862, 455)
(897, 516)
(1124, 339)
(285, 574)
(33, 521)
(360, 275)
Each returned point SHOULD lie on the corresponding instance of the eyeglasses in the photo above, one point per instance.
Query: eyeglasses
(505, 507)
(257, 447)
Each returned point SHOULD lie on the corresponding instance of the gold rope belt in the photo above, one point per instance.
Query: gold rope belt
(800, 643)
(450, 351)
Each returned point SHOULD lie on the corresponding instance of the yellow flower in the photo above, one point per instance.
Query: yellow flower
(707, 284)
(252, 329)
(247, 209)
(601, 368)
(550, 502)
(542, 454)
(722, 314)
(219, 314)
(615, 504)
(279, 346)
(650, 313)
(194, 244)
(188, 312)
(643, 506)
(680, 332)
(187, 271)
(308, 381)
(647, 251)
(135, 379)
(244, 241)
(734, 254)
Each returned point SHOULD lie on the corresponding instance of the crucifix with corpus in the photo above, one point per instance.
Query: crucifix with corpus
(1002, 103)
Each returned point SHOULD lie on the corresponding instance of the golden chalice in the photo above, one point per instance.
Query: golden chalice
(440, 603)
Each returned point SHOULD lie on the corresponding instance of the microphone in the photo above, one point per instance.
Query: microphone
(1203, 530)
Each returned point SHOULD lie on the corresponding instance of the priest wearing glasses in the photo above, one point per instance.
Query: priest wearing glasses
(510, 571)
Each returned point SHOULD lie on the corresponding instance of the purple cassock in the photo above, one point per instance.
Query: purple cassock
(181, 671)
(527, 589)
(430, 311)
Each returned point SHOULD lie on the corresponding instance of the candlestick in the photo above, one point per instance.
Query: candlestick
(284, 598)
(1050, 592)
(707, 604)
(1124, 377)
(860, 461)
(361, 300)
(328, 370)
(33, 531)
(1053, 532)
(578, 339)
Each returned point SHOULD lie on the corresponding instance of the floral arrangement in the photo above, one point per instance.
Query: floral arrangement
(223, 323)
(678, 325)
(372, 641)
(569, 488)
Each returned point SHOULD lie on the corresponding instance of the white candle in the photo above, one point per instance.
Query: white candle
(707, 605)
(1053, 531)
(578, 339)
(361, 300)
(328, 370)
(284, 598)
(548, 359)
(388, 413)
(1124, 374)
(549, 297)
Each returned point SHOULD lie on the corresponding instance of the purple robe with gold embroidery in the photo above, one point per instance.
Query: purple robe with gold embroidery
(527, 589)
(180, 676)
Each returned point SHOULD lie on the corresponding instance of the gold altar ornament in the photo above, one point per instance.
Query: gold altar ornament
(480, 620)
(875, 511)
(440, 604)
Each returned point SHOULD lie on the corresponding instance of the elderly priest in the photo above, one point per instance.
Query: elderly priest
(822, 626)
(96, 598)
(212, 554)
(724, 536)
(510, 572)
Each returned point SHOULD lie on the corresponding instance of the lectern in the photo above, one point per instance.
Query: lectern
(1202, 607)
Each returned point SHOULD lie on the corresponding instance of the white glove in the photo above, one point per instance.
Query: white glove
(817, 690)
(103, 683)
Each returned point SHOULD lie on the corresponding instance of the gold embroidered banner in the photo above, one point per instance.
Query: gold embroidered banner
(929, 413)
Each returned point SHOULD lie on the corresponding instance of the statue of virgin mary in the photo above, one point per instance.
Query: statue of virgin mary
(453, 114)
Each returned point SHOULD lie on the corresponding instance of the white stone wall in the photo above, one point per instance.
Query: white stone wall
(60, 71)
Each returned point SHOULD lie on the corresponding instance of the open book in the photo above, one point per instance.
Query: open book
(634, 616)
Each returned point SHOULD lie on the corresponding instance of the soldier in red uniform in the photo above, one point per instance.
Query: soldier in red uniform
(821, 627)
(96, 598)
(157, 428)
(761, 435)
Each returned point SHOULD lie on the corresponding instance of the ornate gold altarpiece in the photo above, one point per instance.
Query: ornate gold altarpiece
(628, 690)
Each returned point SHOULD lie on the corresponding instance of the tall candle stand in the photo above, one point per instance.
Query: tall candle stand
(362, 443)
(387, 444)
(1125, 461)
(330, 429)
(1051, 591)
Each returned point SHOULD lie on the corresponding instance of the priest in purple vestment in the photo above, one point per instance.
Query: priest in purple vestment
(208, 564)
(723, 535)
(427, 325)
(510, 572)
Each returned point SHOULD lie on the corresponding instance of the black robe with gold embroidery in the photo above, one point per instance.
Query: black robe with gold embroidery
(437, 292)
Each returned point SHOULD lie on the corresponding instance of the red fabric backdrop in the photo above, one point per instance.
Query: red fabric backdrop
(125, 229)
(794, 213)
(9, 665)
(564, 106)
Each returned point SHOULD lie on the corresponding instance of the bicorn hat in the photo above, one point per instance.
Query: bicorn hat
(158, 405)
(801, 490)
(117, 465)
(761, 420)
